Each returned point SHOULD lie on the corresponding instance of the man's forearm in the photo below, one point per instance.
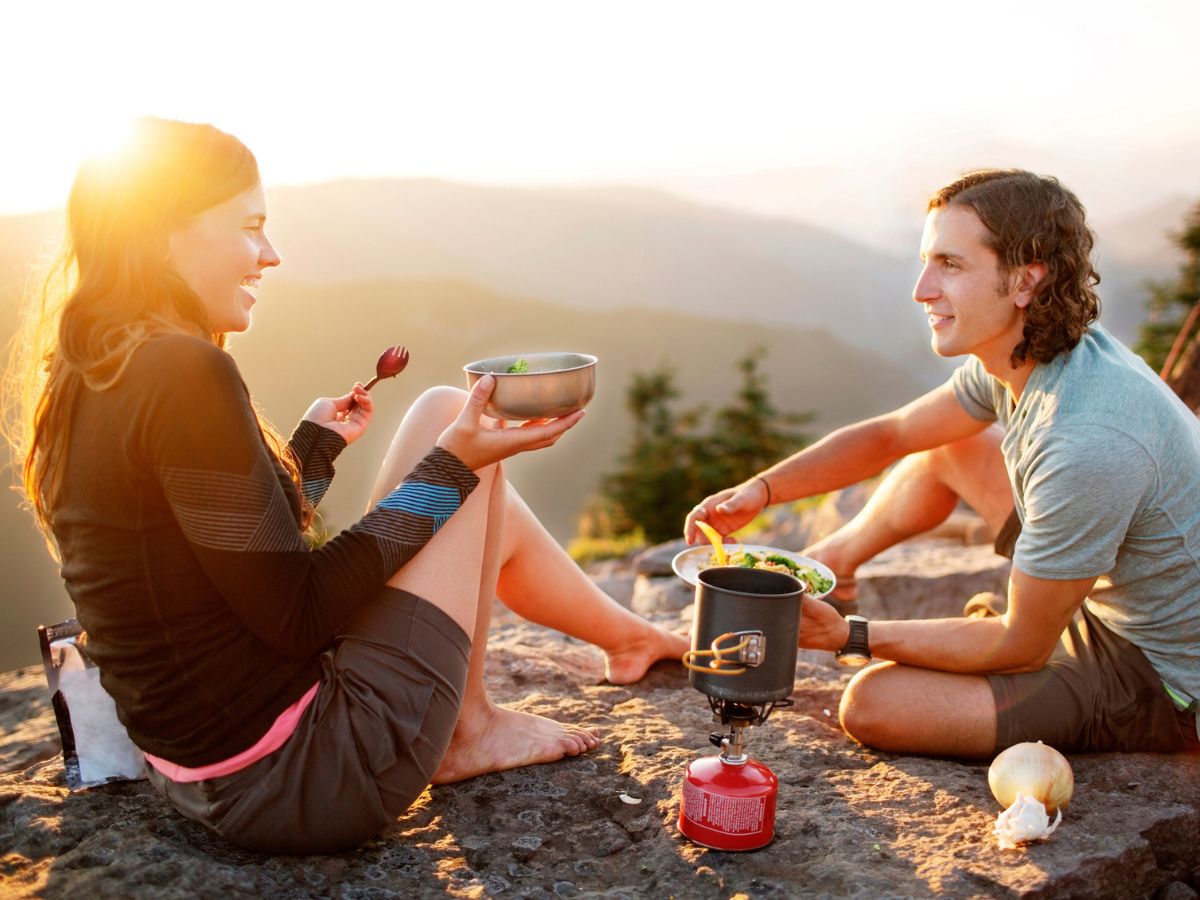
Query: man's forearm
(981, 646)
(864, 449)
(842, 458)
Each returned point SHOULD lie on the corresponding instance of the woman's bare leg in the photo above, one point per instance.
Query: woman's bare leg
(489, 737)
(457, 572)
(540, 582)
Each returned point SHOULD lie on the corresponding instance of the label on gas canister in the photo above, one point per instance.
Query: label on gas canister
(730, 815)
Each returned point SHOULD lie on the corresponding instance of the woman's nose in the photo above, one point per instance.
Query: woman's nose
(268, 256)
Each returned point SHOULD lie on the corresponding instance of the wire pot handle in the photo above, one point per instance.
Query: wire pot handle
(719, 665)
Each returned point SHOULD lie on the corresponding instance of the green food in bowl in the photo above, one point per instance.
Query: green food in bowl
(520, 367)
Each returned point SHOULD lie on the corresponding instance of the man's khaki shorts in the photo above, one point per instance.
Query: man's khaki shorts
(1097, 692)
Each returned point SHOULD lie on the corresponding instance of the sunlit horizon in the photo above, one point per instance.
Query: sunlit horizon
(666, 94)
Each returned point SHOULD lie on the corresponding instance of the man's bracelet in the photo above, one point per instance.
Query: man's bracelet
(767, 486)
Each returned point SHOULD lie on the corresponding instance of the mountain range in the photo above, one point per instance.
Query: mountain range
(639, 277)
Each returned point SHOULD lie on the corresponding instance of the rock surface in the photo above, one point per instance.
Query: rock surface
(851, 822)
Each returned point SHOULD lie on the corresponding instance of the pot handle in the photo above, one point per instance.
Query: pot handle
(749, 651)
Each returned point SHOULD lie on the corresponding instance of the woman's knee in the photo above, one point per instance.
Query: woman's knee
(423, 424)
(437, 405)
(428, 416)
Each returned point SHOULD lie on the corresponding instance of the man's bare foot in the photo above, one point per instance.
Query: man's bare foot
(845, 591)
(630, 662)
(499, 738)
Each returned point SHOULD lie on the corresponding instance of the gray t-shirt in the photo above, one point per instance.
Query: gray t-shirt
(1105, 465)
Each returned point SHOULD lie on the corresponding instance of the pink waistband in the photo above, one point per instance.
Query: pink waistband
(282, 729)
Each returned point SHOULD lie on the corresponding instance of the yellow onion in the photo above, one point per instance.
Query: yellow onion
(1034, 770)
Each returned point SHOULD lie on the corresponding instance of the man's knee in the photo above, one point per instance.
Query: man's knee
(973, 468)
(867, 710)
(906, 709)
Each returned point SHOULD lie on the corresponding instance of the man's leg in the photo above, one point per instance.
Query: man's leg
(902, 709)
(918, 494)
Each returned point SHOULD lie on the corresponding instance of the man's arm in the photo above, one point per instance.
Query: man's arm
(866, 448)
(1021, 640)
(844, 457)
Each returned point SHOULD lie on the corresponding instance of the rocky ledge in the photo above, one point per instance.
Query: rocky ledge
(851, 822)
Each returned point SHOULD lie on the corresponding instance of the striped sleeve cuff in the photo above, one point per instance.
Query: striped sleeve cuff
(315, 448)
(407, 518)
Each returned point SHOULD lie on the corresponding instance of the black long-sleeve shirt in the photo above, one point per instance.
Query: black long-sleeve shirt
(181, 549)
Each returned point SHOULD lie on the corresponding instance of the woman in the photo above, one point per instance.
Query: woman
(293, 700)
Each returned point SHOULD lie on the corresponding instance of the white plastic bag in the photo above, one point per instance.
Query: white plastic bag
(96, 747)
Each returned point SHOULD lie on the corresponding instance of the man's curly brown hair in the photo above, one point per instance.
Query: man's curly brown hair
(1032, 218)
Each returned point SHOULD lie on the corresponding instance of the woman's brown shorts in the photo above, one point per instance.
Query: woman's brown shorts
(1097, 692)
(365, 748)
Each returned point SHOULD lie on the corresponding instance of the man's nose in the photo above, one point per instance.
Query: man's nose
(926, 288)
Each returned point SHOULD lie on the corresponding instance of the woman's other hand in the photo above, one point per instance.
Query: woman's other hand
(726, 510)
(474, 439)
(348, 415)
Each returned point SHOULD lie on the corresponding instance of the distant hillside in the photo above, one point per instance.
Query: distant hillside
(623, 247)
(311, 340)
(633, 275)
(603, 248)
(1145, 238)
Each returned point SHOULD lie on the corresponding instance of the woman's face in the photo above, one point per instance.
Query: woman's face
(221, 254)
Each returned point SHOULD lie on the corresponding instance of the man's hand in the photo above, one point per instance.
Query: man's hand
(821, 626)
(727, 510)
(474, 440)
(348, 415)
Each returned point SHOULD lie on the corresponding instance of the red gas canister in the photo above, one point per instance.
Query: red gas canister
(728, 805)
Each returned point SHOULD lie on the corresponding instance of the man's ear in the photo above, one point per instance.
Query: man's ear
(1031, 274)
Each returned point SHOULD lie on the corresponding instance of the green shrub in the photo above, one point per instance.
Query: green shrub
(676, 458)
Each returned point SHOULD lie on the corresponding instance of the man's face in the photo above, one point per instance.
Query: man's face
(971, 308)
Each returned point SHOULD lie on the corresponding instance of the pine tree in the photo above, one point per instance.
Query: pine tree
(750, 434)
(672, 463)
(655, 467)
(1170, 303)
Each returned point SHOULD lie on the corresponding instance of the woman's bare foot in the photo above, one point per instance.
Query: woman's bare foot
(631, 661)
(499, 738)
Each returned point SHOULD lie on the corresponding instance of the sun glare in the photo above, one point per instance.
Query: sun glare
(106, 140)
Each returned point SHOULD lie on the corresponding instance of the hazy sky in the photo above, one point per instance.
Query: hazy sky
(515, 91)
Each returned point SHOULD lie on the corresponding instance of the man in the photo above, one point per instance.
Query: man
(1076, 455)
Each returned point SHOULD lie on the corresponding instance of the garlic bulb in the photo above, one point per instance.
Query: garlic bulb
(1025, 820)
(1031, 781)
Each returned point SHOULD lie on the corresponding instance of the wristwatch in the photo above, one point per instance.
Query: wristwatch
(857, 651)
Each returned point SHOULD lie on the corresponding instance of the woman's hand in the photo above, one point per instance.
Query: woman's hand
(478, 443)
(727, 510)
(348, 415)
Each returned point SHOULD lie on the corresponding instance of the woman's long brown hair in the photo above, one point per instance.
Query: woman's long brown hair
(113, 288)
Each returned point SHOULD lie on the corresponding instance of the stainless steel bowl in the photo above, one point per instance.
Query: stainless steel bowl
(554, 385)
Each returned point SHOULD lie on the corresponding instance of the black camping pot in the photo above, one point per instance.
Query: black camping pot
(753, 608)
